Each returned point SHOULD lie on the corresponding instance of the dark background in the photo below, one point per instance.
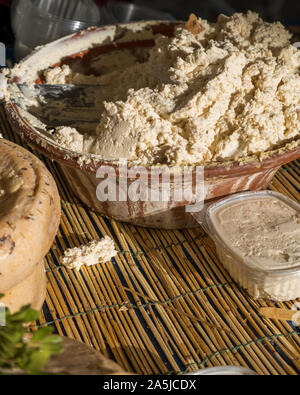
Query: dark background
(286, 11)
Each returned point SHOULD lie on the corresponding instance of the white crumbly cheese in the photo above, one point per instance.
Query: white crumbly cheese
(96, 251)
(228, 92)
(69, 138)
(296, 315)
(296, 318)
(57, 75)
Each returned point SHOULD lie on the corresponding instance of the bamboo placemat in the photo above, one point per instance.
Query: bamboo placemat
(164, 304)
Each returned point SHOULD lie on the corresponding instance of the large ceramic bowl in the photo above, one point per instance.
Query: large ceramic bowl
(79, 49)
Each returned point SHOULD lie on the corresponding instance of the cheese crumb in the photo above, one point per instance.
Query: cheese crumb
(96, 251)
(296, 318)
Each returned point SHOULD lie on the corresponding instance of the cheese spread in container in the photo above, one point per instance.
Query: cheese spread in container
(257, 237)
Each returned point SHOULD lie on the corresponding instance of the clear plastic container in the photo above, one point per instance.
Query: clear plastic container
(123, 12)
(224, 371)
(279, 284)
(37, 22)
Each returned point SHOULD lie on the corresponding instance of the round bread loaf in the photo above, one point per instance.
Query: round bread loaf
(80, 359)
(31, 291)
(29, 213)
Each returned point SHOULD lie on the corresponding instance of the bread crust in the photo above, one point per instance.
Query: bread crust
(80, 359)
(29, 213)
(31, 291)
